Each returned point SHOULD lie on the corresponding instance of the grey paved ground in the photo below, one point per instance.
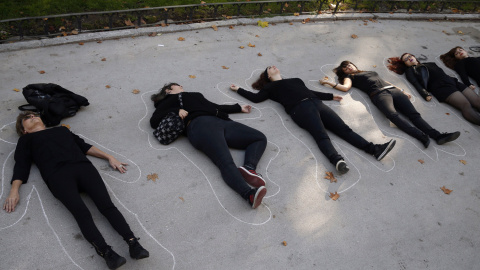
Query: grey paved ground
(390, 214)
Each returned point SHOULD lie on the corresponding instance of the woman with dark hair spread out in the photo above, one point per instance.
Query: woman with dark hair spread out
(209, 129)
(458, 60)
(308, 111)
(388, 100)
(428, 77)
(60, 156)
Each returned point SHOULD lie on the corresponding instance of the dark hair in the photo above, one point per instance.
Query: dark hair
(163, 92)
(340, 73)
(262, 81)
(397, 65)
(19, 125)
(449, 58)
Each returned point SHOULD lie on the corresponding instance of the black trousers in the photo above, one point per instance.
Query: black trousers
(66, 185)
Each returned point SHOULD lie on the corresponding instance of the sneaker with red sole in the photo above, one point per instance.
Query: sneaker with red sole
(256, 196)
(252, 177)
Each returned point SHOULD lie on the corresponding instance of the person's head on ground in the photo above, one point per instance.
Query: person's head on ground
(29, 122)
(271, 73)
(167, 89)
(400, 64)
(451, 58)
(344, 69)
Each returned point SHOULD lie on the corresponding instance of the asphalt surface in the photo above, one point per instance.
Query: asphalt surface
(390, 214)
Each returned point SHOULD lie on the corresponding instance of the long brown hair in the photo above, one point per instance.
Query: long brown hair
(449, 58)
(163, 92)
(340, 73)
(397, 65)
(260, 83)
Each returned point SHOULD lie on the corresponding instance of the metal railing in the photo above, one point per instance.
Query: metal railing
(76, 23)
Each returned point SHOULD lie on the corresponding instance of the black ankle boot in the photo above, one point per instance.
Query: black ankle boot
(112, 259)
(136, 250)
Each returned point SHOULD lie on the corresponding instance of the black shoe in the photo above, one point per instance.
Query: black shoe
(342, 167)
(447, 137)
(425, 140)
(256, 196)
(137, 252)
(112, 259)
(381, 150)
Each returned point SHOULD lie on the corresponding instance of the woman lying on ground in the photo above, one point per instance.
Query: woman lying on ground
(209, 129)
(458, 60)
(60, 157)
(388, 100)
(308, 111)
(428, 77)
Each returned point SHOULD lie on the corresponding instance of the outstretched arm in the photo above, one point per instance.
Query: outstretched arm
(95, 152)
(347, 84)
(14, 196)
(253, 97)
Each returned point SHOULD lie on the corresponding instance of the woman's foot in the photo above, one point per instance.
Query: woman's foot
(136, 250)
(381, 150)
(342, 167)
(112, 259)
(252, 177)
(256, 196)
(447, 137)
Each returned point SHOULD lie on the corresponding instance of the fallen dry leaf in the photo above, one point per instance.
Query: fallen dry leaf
(257, 36)
(99, 41)
(421, 161)
(446, 190)
(291, 23)
(241, 47)
(284, 243)
(65, 125)
(181, 39)
(460, 32)
(16, 90)
(129, 23)
(152, 176)
(153, 34)
(224, 67)
(374, 66)
(74, 32)
(354, 36)
(181, 198)
(430, 20)
(325, 78)
(296, 14)
(259, 54)
(334, 196)
(192, 76)
(251, 45)
(163, 24)
(262, 24)
(214, 27)
(203, 2)
(107, 86)
(365, 23)
(463, 161)
(41, 72)
(61, 28)
(104, 59)
(136, 91)
(231, 27)
(81, 43)
(447, 113)
(330, 177)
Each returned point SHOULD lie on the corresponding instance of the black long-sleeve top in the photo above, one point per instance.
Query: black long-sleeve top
(469, 66)
(50, 149)
(194, 103)
(368, 81)
(288, 92)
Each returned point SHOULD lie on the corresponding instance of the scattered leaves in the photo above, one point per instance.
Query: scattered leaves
(421, 161)
(104, 59)
(262, 23)
(447, 113)
(231, 27)
(152, 176)
(446, 190)
(330, 177)
(74, 32)
(460, 32)
(99, 41)
(354, 36)
(163, 24)
(241, 47)
(257, 36)
(334, 196)
(136, 91)
(81, 43)
(107, 86)
(181, 39)
(463, 161)
(16, 90)
(259, 54)
(291, 23)
(181, 198)
(65, 125)
(224, 67)
(129, 23)
(42, 72)
(61, 28)
(192, 76)
(430, 20)
(251, 45)
(296, 14)
(284, 242)
(214, 27)
(374, 66)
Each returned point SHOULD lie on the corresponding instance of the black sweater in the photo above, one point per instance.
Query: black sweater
(288, 92)
(50, 149)
(469, 66)
(194, 103)
(367, 81)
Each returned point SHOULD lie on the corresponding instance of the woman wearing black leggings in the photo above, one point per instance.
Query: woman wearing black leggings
(209, 129)
(388, 100)
(60, 156)
(308, 111)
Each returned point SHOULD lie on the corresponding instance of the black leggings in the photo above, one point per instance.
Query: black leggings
(315, 117)
(66, 185)
(468, 102)
(213, 136)
(391, 100)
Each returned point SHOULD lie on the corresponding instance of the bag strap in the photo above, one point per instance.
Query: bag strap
(180, 99)
(31, 108)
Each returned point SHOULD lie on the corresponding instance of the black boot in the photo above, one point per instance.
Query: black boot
(112, 259)
(136, 250)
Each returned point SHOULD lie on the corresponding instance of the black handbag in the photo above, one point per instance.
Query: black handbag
(170, 127)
